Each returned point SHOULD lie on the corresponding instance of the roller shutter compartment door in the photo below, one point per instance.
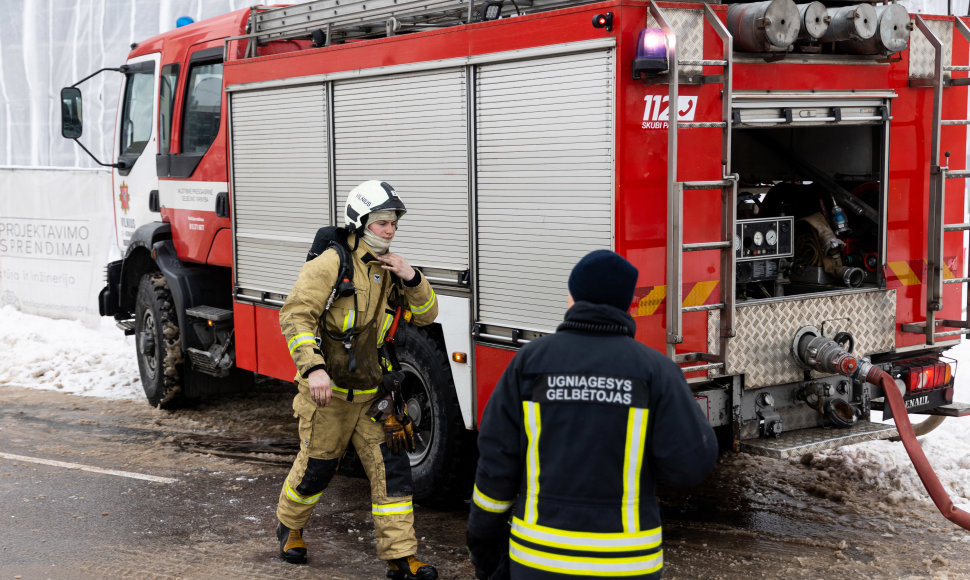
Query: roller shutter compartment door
(411, 131)
(545, 182)
(280, 183)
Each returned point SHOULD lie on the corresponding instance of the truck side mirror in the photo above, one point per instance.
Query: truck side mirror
(71, 112)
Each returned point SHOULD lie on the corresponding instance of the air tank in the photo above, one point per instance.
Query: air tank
(856, 22)
(764, 26)
(892, 32)
(813, 20)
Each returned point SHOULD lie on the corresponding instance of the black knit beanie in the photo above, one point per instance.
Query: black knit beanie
(604, 277)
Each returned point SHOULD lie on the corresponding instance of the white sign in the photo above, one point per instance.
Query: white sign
(190, 195)
(55, 240)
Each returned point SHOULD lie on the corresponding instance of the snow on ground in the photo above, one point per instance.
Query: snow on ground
(63, 355)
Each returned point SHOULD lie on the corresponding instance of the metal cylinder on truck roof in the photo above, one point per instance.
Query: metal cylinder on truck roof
(857, 22)
(892, 32)
(764, 26)
(813, 21)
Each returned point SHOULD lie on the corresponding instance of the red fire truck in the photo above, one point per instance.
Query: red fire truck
(787, 179)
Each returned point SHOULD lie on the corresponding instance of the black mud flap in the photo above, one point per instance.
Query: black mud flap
(109, 300)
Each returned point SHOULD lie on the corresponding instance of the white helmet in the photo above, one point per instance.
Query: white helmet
(368, 197)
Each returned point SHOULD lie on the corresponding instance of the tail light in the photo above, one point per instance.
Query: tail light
(925, 374)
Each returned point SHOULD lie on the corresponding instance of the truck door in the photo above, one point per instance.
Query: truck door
(135, 148)
(192, 170)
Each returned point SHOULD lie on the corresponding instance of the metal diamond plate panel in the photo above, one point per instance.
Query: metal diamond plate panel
(689, 27)
(921, 53)
(761, 350)
(802, 441)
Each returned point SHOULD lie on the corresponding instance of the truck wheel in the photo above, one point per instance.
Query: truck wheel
(158, 343)
(443, 463)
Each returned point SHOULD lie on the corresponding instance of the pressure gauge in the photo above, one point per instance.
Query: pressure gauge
(758, 238)
(771, 237)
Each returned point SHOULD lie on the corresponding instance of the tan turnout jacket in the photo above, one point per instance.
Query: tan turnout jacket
(309, 345)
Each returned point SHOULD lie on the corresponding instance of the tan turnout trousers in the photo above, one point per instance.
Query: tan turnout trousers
(324, 435)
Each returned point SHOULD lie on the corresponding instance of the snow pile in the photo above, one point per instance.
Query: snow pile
(63, 355)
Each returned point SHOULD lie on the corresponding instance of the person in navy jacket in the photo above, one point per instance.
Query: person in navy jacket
(582, 426)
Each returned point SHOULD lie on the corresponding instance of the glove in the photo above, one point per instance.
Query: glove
(489, 556)
(399, 433)
(381, 409)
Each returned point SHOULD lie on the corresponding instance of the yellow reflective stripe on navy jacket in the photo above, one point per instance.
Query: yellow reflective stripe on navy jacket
(632, 552)
(392, 509)
(586, 566)
(496, 506)
(533, 425)
(636, 439)
(424, 307)
(310, 500)
(586, 541)
(301, 339)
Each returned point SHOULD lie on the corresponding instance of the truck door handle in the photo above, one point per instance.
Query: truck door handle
(222, 204)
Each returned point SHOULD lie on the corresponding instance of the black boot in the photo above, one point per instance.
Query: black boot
(410, 568)
(292, 546)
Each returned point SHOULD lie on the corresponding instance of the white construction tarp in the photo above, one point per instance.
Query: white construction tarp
(49, 44)
(56, 216)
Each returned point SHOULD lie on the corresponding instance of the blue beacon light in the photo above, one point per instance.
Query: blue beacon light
(651, 53)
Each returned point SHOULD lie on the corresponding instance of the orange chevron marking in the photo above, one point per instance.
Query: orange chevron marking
(904, 273)
(947, 273)
(649, 303)
(652, 297)
(700, 293)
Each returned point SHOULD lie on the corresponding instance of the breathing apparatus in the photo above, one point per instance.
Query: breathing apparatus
(368, 197)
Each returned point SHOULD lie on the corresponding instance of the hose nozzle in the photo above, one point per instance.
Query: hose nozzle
(818, 353)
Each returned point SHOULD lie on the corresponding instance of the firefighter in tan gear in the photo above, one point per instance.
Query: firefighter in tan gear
(333, 334)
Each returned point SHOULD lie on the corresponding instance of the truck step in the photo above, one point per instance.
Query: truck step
(954, 409)
(798, 443)
(210, 362)
(126, 325)
(209, 313)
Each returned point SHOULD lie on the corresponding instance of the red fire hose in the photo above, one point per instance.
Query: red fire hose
(926, 474)
(819, 353)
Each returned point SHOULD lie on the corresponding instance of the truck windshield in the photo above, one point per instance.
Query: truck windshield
(136, 126)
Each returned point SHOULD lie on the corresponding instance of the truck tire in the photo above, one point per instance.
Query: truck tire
(158, 343)
(443, 463)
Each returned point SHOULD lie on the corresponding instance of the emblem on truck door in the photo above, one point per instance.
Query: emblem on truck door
(124, 197)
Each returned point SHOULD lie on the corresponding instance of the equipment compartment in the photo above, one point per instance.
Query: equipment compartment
(811, 175)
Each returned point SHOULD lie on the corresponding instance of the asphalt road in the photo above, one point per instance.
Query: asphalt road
(96, 488)
(114, 489)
